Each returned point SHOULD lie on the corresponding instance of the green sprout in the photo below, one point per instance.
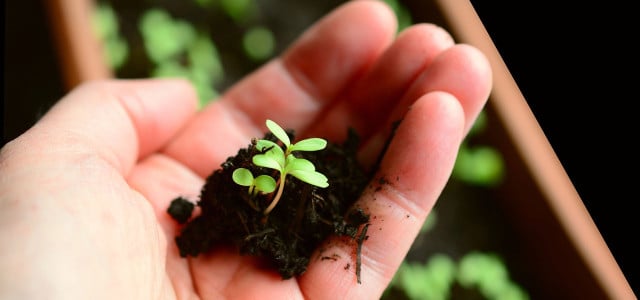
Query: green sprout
(263, 183)
(273, 156)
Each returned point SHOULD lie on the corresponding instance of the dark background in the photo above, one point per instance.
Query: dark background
(574, 65)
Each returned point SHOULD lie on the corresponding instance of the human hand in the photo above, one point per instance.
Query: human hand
(84, 193)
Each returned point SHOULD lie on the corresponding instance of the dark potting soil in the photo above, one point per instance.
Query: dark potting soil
(304, 217)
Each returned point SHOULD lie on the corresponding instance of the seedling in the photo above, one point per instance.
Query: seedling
(273, 156)
(264, 184)
(308, 212)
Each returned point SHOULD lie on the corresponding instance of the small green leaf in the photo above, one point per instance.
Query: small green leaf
(278, 132)
(277, 155)
(265, 184)
(267, 161)
(261, 145)
(242, 177)
(311, 177)
(312, 144)
(294, 163)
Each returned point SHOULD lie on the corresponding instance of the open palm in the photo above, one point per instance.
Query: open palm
(84, 193)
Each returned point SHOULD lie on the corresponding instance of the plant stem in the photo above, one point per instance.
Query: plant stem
(277, 197)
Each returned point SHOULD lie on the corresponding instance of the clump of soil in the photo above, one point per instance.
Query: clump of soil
(304, 217)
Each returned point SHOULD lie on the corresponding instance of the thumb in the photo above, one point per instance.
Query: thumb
(120, 120)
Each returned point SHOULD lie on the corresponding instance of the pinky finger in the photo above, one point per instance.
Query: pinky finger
(411, 177)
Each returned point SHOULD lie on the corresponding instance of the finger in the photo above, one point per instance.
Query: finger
(412, 175)
(121, 121)
(321, 64)
(372, 98)
(292, 90)
(461, 70)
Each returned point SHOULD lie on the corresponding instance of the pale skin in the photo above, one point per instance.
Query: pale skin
(84, 192)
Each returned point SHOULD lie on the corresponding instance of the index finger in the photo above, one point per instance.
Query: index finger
(291, 90)
(118, 121)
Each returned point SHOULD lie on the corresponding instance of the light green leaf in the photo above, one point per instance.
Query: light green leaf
(267, 161)
(312, 144)
(311, 177)
(265, 184)
(278, 132)
(277, 155)
(242, 177)
(265, 144)
(294, 163)
(274, 151)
